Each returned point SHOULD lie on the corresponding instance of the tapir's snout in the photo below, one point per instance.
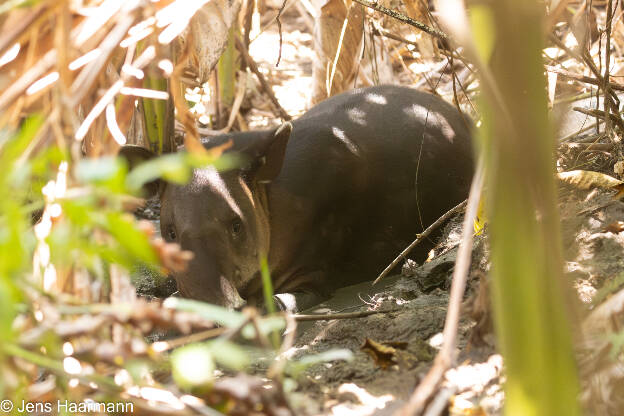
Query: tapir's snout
(224, 294)
(205, 281)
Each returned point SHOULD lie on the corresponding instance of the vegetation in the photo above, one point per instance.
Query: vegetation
(80, 80)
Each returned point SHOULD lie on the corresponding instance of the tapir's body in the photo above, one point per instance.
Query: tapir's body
(362, 173)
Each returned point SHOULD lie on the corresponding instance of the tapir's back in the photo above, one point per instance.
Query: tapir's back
(370, 140)
(360, 178)
(380, 128)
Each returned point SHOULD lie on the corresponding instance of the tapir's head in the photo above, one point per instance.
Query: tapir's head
(221, 216)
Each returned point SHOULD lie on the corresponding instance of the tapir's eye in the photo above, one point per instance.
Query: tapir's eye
(237, 226)
(171, 234)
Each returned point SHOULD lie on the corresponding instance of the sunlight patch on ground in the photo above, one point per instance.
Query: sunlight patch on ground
(421, 68)
(292, 351)
(369, 404)
(436, 340)
(257, 121)
(478, 387)
(476, 377)
(266, 47)
(292, 79)
(585, 290)
(293, 95)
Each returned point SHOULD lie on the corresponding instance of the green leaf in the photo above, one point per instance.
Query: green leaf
(107, 174)
(77, 211)
(177, 168)
(267, 325)
(172, 167)
(14, 4)
(229, 354)
(192, 366)
(98, 170)
(267, 284)
(218, 314)
(484, 30)
(139, 370)
(13, 148)
(133, 241)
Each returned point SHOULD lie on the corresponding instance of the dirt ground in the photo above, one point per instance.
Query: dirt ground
(393, 350)
(370, 385)
(403, 342)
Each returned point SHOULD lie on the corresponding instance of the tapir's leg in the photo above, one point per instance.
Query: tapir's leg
(306, 290)
(297, 301)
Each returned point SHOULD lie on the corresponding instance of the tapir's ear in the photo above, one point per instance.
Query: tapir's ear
(135, 155)
(270, 163)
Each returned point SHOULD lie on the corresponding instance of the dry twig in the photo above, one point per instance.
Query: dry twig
(450, 213)
(446, 355)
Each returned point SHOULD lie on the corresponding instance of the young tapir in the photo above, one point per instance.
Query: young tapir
(331, 198)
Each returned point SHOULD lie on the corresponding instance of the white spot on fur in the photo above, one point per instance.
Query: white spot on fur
(376, 99)
(232, 298)
(432, 119)
(357, 116)
(340, 135)
(210, 176)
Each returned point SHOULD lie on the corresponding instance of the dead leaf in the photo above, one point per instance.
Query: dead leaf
(383, 354)
(247, 394)
(337, 49)
(171, 255)
(602, 373)
(620, 191)
(585, 179)
(459, 406)
(615, 227)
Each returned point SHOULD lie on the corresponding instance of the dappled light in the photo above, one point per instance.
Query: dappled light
(376, 99)
(368, 403)
(306, 207)
(340, 135)
(433, 119)
(357, 116)
(211, 178)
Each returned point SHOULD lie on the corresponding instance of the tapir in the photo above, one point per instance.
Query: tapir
(330, 199)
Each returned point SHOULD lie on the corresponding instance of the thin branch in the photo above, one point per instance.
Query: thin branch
(446, 355)
(378, 30)
(346, 315)
(595, 113)
(15, 34)
(582, 78)
(584, 57)
(421, 237)
(279, 30)
(589, 147)
(85, 80)
(401, 17)
(161, 346)
(263, 82)
(609, 105)
(276, 370)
